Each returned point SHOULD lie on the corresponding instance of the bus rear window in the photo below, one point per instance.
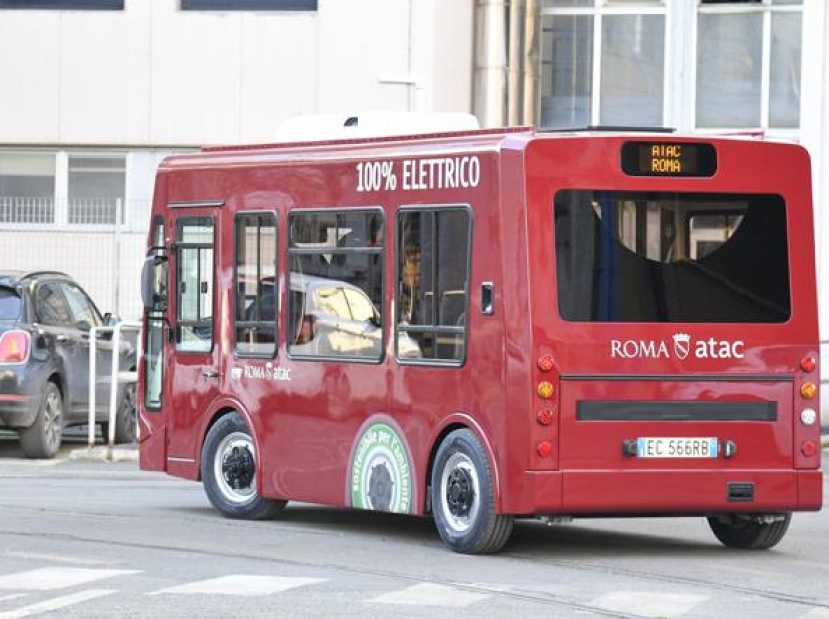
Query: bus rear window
(667, 257)
(9, 304)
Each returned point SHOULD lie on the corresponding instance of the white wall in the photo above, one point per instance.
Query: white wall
(155, 75)
(815, 137)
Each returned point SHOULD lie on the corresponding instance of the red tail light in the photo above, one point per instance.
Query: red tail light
(14, 347)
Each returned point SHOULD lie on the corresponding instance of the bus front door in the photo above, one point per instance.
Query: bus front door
(195, 369)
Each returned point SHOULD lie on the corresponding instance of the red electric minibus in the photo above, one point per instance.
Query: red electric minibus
(487, 325)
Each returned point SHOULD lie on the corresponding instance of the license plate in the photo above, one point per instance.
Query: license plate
(676, 447)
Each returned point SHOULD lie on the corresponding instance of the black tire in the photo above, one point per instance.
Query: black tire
(746, 532)
(463, 497)
(126, 417)
(228, 468)
(42, 439)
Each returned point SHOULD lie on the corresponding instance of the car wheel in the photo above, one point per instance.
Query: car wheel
(126, 418)
(463, 497)
(749, 532)
(42, 438)
(228, 467)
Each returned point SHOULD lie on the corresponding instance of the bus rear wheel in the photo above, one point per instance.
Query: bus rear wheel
(750, 532)
(463, 497)
(228, 466)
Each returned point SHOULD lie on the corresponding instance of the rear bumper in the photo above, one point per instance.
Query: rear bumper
(665, 492)
(18, 402)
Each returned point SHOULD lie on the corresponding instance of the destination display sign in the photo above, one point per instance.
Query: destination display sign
(668, 159)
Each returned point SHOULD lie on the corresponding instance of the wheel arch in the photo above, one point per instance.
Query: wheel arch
(217, 410)
(459, 421)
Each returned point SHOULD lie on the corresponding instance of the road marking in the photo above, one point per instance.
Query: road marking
(59, 558)
(56, 603)
(242, 584)
(648, 604)
(428, 594)
(49, 578)
(816, 613)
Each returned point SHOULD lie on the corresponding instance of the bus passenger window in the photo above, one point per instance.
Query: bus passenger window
(433, 283)
(256, 289)
(335, 282)
(194, 310)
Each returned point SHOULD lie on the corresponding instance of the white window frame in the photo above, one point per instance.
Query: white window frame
(604, 8)
(767, 9)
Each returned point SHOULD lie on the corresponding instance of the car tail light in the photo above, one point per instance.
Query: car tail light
(14, 347)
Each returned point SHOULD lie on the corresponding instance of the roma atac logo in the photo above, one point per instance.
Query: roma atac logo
(684, 346)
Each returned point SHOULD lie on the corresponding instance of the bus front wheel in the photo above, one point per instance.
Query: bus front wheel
(750, 532)
(463, 497)
(228, 466)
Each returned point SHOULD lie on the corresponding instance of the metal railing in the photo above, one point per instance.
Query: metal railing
(116, 375)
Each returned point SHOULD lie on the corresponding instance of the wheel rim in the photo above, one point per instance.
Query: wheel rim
(460, 492)
(234, 468)
(52, 413)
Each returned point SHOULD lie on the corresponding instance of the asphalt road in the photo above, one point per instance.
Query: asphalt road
(99, 539)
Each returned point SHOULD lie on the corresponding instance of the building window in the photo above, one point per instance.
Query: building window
(603, 62)
(248, 5)
(96, 189)
(86, 5)
(256, 285)
(433, 256)
(748, 64)
(27, 188)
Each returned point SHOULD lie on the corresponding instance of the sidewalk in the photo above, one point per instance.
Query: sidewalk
(105, 453)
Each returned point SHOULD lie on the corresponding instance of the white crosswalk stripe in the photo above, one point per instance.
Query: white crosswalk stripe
(649, 604)
(242, 584)
(56, 603)
(427, 594)
(50, 578)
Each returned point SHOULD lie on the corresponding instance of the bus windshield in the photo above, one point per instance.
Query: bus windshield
(670, 257)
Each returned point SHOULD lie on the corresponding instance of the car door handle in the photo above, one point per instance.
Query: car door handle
(210, 373)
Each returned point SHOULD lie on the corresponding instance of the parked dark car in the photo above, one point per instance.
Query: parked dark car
(45, 323)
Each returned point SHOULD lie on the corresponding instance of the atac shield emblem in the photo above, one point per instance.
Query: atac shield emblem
(682, 345)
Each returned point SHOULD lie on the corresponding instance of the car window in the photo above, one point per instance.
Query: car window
(52, 308)
(9, 304)
(81, 306)
(361, 308)
(331, 300)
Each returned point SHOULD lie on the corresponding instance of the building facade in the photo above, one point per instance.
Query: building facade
(98, 91)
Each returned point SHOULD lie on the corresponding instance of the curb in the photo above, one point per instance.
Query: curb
(105, 453)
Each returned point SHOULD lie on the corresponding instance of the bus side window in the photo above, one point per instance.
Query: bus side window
(335, 305)
(256, 285)
(433, 283)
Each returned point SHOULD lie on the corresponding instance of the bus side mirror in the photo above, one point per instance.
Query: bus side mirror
(154, 283)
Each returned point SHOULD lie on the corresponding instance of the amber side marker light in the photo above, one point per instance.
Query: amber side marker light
(808, 364)
(808, 390)
(546, 389)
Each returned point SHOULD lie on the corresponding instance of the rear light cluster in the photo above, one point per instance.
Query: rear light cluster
(14, 346)
(808, 414)
(545, 416)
